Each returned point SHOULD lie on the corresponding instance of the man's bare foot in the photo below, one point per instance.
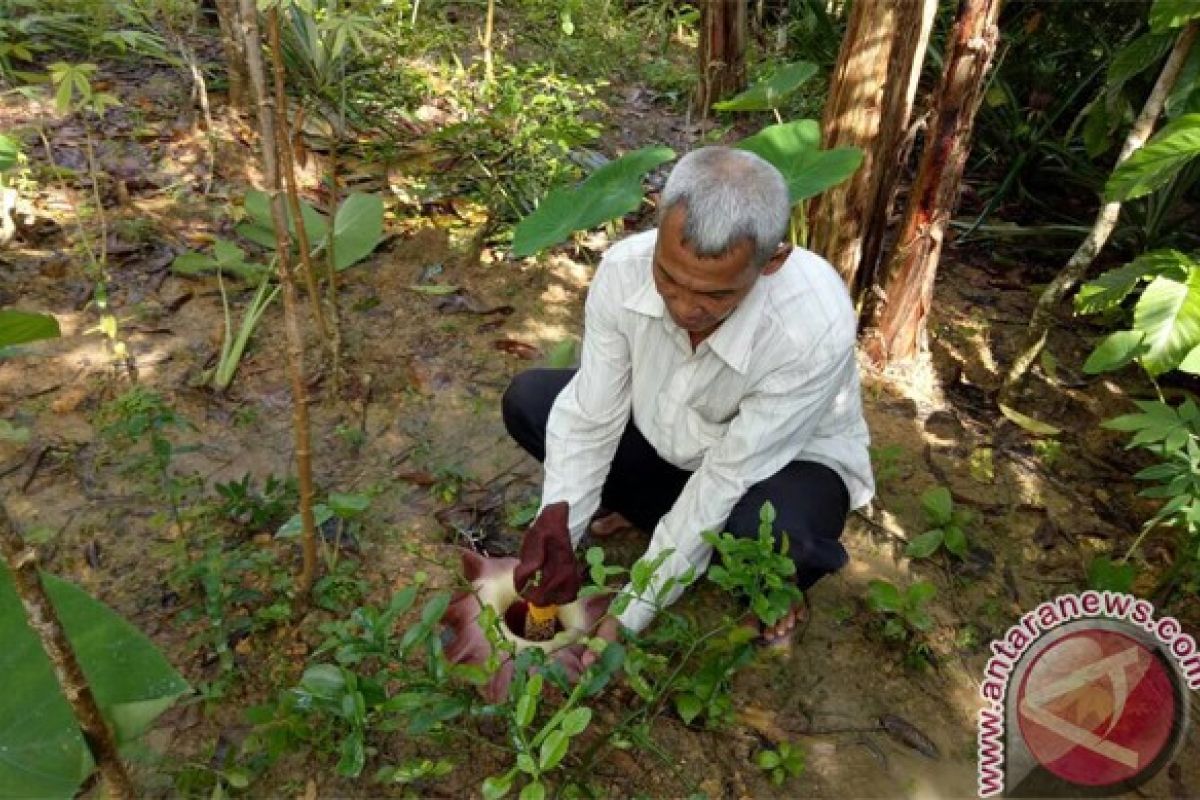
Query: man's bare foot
(608, 525)
(780, 634)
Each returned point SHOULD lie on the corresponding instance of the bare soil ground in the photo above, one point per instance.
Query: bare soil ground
(418, 403)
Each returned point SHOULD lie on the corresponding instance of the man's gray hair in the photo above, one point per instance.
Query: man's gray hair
(728, 195)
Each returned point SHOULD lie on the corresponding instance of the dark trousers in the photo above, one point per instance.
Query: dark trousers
(810, 499)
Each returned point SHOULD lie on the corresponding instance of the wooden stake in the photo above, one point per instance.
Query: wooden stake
(43, 619)
(283, 145)
(267, 124)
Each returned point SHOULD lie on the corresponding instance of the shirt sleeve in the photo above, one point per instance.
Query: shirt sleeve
(589, 416)
(773, 423)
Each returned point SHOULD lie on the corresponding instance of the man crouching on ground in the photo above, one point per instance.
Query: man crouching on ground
(717, 373)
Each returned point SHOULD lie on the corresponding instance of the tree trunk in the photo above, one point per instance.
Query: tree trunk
(896, 135)
(722, 52)
(43, 619)
(267, 125)
(1106, 220)
(912, 266)
(235, 55)
(870, 99)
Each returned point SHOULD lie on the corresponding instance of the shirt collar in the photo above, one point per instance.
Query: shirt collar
(646, 300)
(732, 341)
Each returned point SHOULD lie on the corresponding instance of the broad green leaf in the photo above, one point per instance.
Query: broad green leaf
(926, 544)
(1115, 351)
(884, 596)
(553, 750)
(769, 93)
(688, 706)
(9, 150)
(497, 786)
(1103, 574)
(325, 681)
(919, 618)
(20, 327)
(1110, 288)
(1159, 160)
(534, 790)
(42, 753)
(612, 191)
(1137, 57)
(348, 506)
(261, 230)
(1168, 313)
(1185, 96)
(1029, 423)
(357, 229)
(1168, 14)
(938, 504)
(1097, 128)
(576, 721)
(956, 541)
(768, 759)
(794, 149)
(291, 529)
(921, 592)
(1191, 362)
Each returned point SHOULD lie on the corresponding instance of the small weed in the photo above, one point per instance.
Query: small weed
(949, 531)
(885, 462)
(1048, 451)
(258, 510)
(782, 764)
(982, 465)
(904, 617)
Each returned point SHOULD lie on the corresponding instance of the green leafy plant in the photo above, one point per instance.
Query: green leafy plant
(257, 509)
(768, 94)
(905, 619)
(1172, 435)
(613, 190)
(885, 463)
(357, 226)
(753, 571)
(132, 681)
(783, 763)
(1104, 574)
(950, 524)
(794, 148)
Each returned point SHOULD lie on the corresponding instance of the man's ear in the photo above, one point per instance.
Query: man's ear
(776, 261)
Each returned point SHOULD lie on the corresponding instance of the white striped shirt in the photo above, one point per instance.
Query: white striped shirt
(775, 383)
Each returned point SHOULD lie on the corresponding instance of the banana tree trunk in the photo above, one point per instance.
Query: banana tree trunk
(870, 99)
(722, 52)
(907, 286)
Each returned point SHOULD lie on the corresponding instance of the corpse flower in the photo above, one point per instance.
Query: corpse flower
(492, 584)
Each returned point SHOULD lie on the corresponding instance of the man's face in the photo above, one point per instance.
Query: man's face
(699, 293)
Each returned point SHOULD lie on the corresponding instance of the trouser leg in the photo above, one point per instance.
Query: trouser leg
(641, 485)
(811, 503)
